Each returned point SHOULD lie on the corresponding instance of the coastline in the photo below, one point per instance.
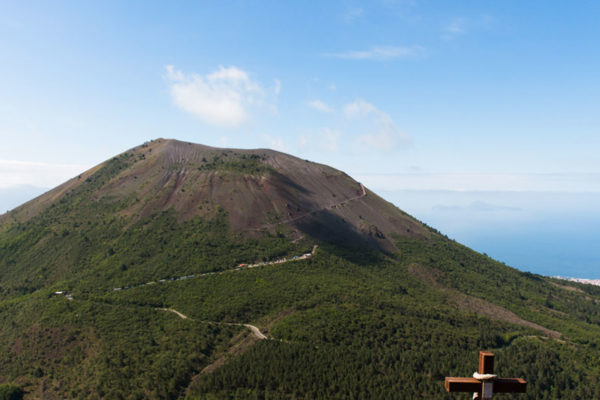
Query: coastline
(595, 282)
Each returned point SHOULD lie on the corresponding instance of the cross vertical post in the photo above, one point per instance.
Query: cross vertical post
(486, 362)
(484, 383)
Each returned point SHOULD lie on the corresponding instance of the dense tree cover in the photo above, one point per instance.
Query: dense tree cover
(531, 296)
(234, 162)
(290, 370)
(348, 325)
(86, 349)
(110, 252)
(394, 343)
(350, 322)
(367, 330)
(10, 392)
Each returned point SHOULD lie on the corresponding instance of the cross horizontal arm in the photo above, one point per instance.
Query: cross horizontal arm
(510, 385)
(454, 384)
(501, 385)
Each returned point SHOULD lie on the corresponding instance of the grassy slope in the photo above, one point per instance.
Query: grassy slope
(353, 322)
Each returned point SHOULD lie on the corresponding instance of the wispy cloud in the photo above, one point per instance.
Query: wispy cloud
(221, 98)
(359, 108)
(381, 53)
(319, 106)
(380, 130)
(454, 28)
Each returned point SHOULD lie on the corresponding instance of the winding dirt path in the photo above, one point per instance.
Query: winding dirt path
(180, 315)
(334, 205)
(255, 331)
(240, 267)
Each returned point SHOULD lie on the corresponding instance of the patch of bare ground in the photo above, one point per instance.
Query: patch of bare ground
(493, 311)
(569, 288)
(239, 344)
(425, 274)
(475, 304)
(577, 290)
(270, 321)
(556, 313)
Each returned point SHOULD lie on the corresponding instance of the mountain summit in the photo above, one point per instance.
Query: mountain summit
(260, 190)
(176, 270)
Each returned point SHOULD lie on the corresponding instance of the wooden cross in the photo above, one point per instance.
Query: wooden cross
(487, 384)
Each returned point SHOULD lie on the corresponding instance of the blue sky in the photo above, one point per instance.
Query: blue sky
(409, 97)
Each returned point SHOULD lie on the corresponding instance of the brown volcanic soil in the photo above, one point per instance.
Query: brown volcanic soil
(260, 190)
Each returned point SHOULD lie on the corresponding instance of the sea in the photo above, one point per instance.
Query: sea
(547, 233)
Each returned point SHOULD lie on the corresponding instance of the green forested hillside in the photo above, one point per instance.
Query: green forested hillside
(385, 308)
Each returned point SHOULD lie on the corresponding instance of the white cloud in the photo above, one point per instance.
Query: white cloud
(359, 108)
(319, 106)
(16, 173)
(221, 98)
(456, 27)
(379, 131)
(382, 53)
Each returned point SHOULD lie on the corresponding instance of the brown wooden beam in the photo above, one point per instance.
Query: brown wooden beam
(501, 385)
(454, 384)
(510, 385)
(486, 362)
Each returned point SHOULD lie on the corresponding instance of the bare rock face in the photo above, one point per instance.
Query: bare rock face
(260, 190)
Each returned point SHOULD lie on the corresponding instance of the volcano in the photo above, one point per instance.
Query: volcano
(177, 270)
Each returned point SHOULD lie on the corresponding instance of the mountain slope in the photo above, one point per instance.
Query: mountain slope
(258, 188)
(383, 300)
